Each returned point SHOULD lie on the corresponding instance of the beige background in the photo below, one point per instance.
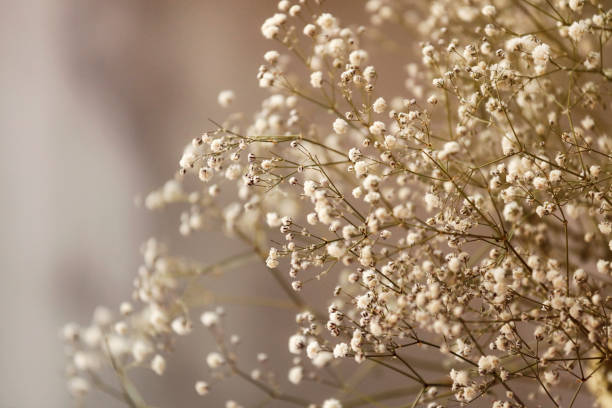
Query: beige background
(97, 100)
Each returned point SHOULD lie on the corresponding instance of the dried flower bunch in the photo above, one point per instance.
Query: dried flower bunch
(468, 218)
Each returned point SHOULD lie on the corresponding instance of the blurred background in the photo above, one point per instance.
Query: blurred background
(97, 101)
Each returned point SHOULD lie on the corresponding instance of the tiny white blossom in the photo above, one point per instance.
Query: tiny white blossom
(126, 308)
(327, 21)
(313, 349)
(141, 349)
(297, 342)
(357, 57)
(377, 128)
(214, 360)
(340, 126)
(380, 105)
(331, 403)
(577, 30)
(158, 364)
(201, 387)
(432, 201)
(226, 98)
(271, 27)
(541, 54)
(316, 79)
(487, 364)
(489, 11)
(181, 326)
(310, 30)
(576, 5)
(296, 374)
(341, 350)
(512, 211)
(540, 183)
(78, 386)
(271, 57)
(209, 319)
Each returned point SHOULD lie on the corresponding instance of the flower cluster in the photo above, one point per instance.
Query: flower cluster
(468, 217)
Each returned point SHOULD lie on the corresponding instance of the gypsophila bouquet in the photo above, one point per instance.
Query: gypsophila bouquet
(466, 219)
